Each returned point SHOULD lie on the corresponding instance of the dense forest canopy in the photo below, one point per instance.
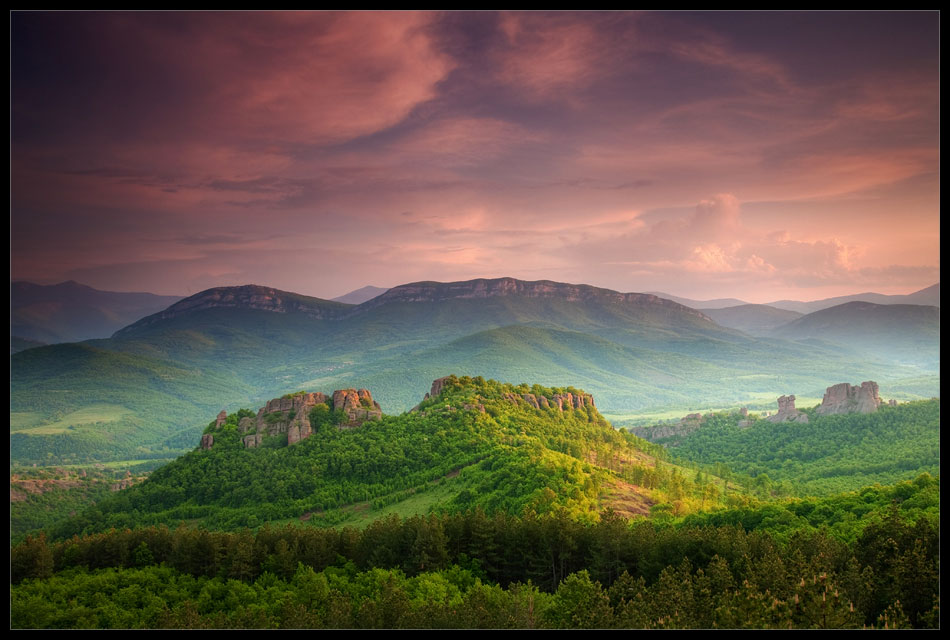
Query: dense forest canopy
(474, 570)
(496, 505)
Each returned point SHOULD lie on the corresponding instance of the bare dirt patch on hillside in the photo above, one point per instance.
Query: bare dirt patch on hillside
(628, 500)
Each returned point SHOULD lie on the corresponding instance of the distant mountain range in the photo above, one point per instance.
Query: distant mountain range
(899, 332)
(717, 303)
(763, 319)
(361, 295)
(72, 312)
(22, 344)
(754, 319)
(146, 390)
(929, 296)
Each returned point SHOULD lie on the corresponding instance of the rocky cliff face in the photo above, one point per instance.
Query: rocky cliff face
(845, 398)
(283, 415)
(277, 301)
(358, 405)
(487, 288)
(291, 415)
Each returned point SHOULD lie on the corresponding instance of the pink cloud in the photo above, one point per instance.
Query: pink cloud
(313, 77)
(711, 50)
(461, 141)
(250, 92)
(548, 54)
(590, 144)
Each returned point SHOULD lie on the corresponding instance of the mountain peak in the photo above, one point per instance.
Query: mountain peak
(361, 295)
(248, 296)
(430, 291)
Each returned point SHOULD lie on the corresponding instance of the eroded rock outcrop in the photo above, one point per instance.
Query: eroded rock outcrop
(288, 414)
(787, 411)
(124, 483)
(358, 405)
(291, 415)
(846, 398)
(687, 424)
(573, 401)
(437, 386)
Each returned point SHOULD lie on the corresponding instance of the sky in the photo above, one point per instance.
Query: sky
(752, 155)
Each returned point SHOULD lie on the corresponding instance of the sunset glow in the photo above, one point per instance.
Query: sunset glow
(753, 155)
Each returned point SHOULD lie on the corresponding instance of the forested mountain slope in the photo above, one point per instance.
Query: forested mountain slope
(783, 567)
(239, 346)
(472, 443)
(828, 454)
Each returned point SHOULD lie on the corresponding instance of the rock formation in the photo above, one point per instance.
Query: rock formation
(124, 483)
(687, 424)
(291, 415)
(532, 400)
(437, 386)
(845, 398)
(573, 401)
(787, 411)
(358, 405)
(253, 440)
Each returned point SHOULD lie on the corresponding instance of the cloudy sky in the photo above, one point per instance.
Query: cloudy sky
(760, 156)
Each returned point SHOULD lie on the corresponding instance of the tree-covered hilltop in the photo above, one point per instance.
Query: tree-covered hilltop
(474, 442)
(828, 454)
(472, 570)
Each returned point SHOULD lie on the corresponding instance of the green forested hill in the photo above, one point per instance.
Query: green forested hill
(828, 454)
(449, 454)
(509, 517)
